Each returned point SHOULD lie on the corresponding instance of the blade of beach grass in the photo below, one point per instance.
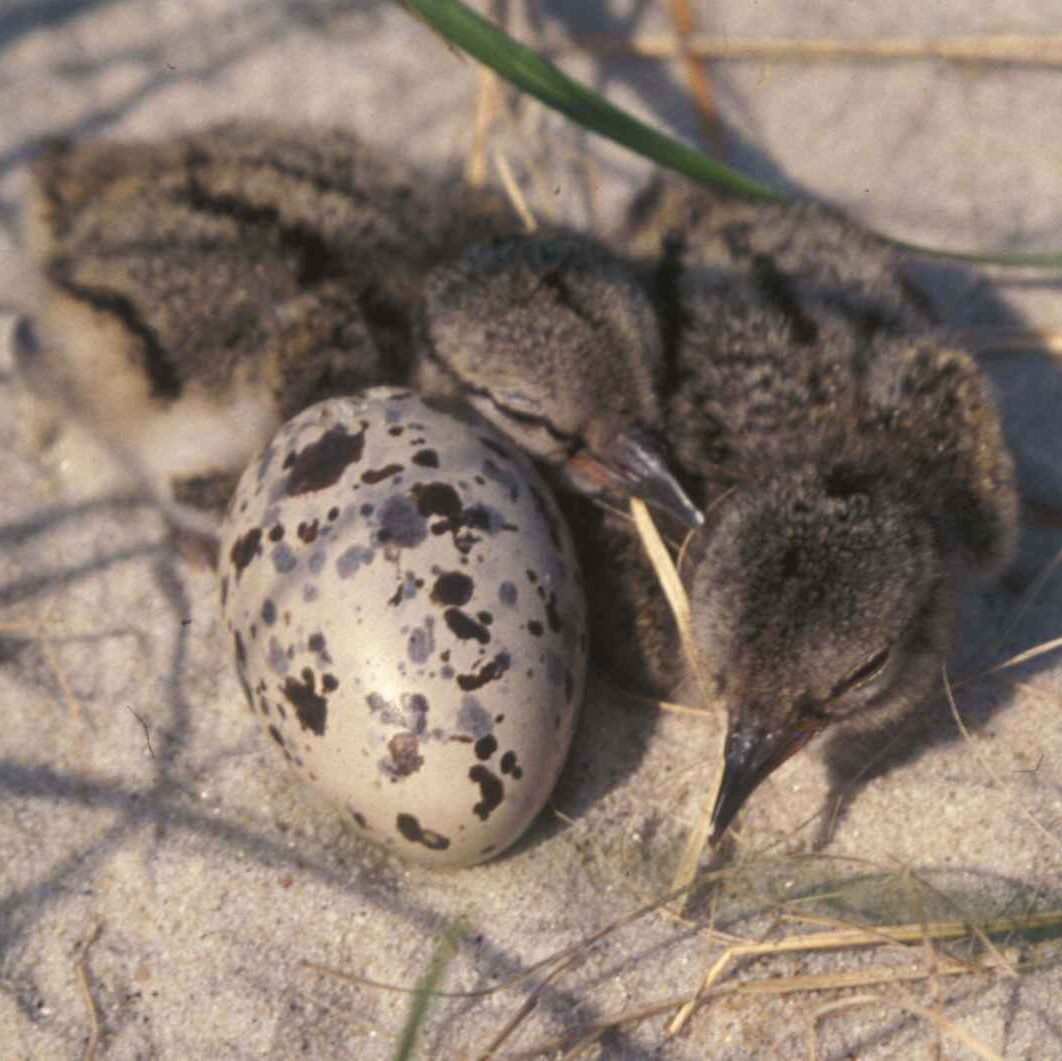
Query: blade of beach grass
(538, 77)
(426, 989)
(528, 71)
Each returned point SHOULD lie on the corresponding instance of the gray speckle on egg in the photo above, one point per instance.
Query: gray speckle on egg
(404, 599)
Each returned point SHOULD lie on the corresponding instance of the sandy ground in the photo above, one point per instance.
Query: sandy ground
(161, 882)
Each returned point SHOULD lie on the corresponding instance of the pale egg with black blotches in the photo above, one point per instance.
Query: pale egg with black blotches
(408, 620)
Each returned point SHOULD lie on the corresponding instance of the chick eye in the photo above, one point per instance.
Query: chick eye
(866, 673)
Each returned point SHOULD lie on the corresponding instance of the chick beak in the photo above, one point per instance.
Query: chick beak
(751, 754)
(631, 464)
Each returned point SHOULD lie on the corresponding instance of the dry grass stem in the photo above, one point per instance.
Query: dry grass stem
(1029, 598)
(1006, 48)
(778, 985)
(81, 970)
(678, 601)
(682, 709)
(829, 1008)
(987, 768)
(666, 573)
(947, 1027)
(1022, 657)
(527, 1007)
(868, 936)
(486, 111)
(576, 949)
(512, 189)
(950, 901)
(696, 76)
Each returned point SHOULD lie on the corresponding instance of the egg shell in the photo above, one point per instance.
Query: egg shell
(408, 620)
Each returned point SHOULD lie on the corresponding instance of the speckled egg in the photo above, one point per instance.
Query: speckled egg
(408, 620)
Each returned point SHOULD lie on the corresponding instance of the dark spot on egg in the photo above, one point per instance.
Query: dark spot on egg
(245, 549)
(510, 767)
(535, 628)
(426, 458)
(405, 755)
(486, 746)
(276, 532)
(486, 673)
(307, 532)
(473, 717)
(329, 683)
(411, 829)
(323, 462)
(269, 612)
(437, 499)
(353, 557)
(401, 523)
(241, 652)
(276, 657)
(508, 594)
(284, 560)
(319, 646)
(452, 588)
(415, 706)
(421, 642)
(311, 708)
(552, 615)
(275, 734)
(377, 475)
(466, 628)
(491, 791)
(241, 668)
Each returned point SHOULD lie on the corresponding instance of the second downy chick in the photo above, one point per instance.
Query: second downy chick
(194, 292)
(852, 466)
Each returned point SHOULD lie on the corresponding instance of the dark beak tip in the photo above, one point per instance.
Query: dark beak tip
(748, 760)
(642, 469)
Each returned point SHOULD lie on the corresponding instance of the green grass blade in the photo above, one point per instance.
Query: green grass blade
(538, 77)
(1014, 259)
(426, 988)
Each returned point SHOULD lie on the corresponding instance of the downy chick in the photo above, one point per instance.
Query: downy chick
(852, 467)
(552, 338)
(196, 291)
